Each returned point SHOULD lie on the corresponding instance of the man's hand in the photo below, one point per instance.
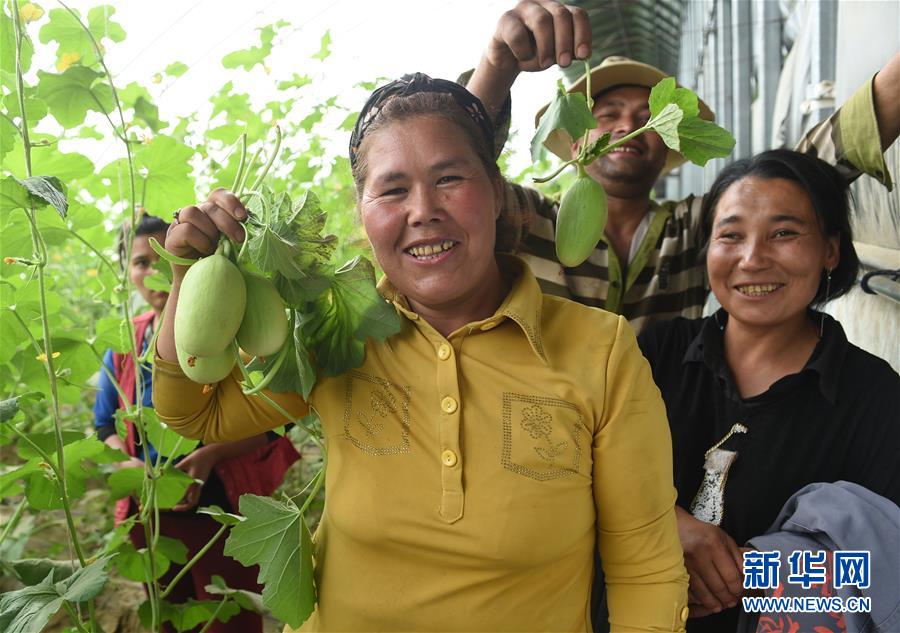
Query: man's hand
(532, 36)
(714, 563)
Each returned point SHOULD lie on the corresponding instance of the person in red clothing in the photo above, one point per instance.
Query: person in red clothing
(229, 469)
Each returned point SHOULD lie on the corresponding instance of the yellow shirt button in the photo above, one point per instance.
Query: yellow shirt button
(685, 612)
(449, 405)
(444, 351)
(449, 458)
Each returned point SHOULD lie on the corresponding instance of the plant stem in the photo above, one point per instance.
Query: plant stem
(557, 172)
(320, 479)
(14, 519)
(213, 617)
(272, 157)
(74, 616)
(187, 566)
(241, 162)
(59, 473)
(41, 255)
(250, 166)
(103, 258)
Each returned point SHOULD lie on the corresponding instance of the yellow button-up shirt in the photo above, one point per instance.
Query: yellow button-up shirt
(470, 477)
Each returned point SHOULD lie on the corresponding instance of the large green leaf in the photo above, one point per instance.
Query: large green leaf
(81, 458)
(566, 120)
(29, 609)
(134, 564)
(275, 536)
(703, 140)
(70, 95)
(285, 237)
(345, 316)
(74, 45)
(163, 177)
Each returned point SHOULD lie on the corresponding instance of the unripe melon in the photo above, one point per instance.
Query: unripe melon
(265, 324)
(209, 370)
(210, 306)
(580, 220)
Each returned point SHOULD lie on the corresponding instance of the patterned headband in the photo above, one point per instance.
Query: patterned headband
(414, 84)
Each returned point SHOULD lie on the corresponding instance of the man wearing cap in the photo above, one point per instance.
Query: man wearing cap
(646, 267)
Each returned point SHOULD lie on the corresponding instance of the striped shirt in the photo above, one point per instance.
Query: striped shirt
(665, 276)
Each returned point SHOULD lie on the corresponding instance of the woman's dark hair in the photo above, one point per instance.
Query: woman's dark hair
(147, 225)
(828, 192)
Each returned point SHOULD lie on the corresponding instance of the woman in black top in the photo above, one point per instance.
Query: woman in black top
(767, 395)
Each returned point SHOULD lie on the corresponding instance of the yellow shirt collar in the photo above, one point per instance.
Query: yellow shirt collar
(522, 305)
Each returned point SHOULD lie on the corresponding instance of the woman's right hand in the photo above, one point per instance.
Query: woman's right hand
(713, 561)
(196, 233)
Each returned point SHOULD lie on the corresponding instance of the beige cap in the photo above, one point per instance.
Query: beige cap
(615, 71)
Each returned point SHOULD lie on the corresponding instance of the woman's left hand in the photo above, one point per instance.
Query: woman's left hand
(198, 465)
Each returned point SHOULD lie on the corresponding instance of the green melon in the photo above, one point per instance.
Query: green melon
(265, 325)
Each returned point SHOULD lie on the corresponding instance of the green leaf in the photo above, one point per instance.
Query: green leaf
(9, 133)
(286, 238)
(703, 140)
(50, 190)
(163, 169)
(31, 571)
(247, 600)
(219, 515)
(35, 109)
(296, 81)
(324, 48)
(170, 488)
(81, 458)
(188, 615)
(134, 564)
(296, 373)
(29, 609)
(566, 120)
(250, 57)
(276, 537)
(13, 195)
(8, 47)
(173, 549)
(10, 407)
(125, 481)
(87, 582)
(666, 125)
(666, 92)
(176, 69)
(160, 278)
(137, 98)
(70, 95)
(166, 441)
(74, 45)
(595, 149)
(346, 315)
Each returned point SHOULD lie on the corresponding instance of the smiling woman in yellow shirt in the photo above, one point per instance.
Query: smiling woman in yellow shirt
(479, 455)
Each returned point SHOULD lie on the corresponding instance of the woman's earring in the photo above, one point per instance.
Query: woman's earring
(825, 300)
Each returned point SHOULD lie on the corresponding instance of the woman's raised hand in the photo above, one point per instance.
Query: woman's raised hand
(196, 231)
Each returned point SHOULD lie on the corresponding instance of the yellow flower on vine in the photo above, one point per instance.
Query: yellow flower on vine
(157, 78)
(43, 356)
(30, 12)
(66, 60)
(91, 272)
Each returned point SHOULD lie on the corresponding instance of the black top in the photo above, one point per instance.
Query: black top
(837, 419)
